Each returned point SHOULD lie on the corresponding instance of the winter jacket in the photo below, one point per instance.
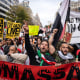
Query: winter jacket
(1, 52)
(14, 58)
(33, 55)
(6, 49)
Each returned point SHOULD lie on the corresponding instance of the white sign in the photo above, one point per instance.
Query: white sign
(74, 28)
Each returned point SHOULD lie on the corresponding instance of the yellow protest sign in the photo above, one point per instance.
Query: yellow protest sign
(33, 29)
(1, 27)
(13, 29)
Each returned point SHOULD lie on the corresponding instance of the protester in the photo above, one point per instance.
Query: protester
(39, 49)
(15, 41)
(39, 40)
(41, 57)
(22, 45)
(14, 57)
(63, 55)
(6, 48)
(51, 47)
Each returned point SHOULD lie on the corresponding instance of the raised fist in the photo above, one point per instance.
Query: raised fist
(55, 31)
(25, 27)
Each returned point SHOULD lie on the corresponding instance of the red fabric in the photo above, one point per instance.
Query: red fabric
(63, 32)
(19, 40)
(19, 50)
(1, 48)
(5, 27)
(50, 63)
(78, 51)
(11, 71)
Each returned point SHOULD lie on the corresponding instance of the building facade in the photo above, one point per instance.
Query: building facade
(25, 3)
(35, 19)
(75, 6)
(5, 6)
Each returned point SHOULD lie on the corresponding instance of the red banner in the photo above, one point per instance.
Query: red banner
(10, 71)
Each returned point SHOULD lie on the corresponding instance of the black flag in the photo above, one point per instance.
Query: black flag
(61, 18)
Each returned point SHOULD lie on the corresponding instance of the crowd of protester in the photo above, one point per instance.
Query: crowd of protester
(35, 50)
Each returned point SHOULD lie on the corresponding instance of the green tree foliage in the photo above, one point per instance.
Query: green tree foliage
(18, 13)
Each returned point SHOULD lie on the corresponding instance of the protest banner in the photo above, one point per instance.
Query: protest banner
(33, 30)
(11, 71)
(73, 29)
(13, 29)
(1, 27)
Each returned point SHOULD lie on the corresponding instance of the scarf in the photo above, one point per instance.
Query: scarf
(67, 56)
(43, 59)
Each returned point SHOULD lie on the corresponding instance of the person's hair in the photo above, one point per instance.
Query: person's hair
(45, 41)
(62, 43)
(13, 46)
(39, 38)
(17, 43)
(11, 41)
(5, 39)
(0, 40)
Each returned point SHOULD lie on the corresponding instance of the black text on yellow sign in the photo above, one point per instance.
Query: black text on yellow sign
(1, 27)
(13, 30)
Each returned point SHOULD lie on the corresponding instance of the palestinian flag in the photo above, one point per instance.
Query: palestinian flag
(61, 18)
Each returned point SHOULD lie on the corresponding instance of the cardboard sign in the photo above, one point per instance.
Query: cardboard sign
(1, 27)
(13, 29)
(10, 71)
(33, 30)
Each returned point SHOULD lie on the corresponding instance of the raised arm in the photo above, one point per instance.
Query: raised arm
(27, 41)
(51, 47)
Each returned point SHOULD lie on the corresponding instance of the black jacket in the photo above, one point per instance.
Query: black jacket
(34, 58)
(6, 49)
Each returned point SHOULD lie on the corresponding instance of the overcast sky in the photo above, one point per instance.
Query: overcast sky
(46, 9)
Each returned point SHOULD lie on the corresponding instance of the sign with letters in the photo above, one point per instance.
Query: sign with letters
(13, 29)
(73, 28)
(11, 71)
(1, 27)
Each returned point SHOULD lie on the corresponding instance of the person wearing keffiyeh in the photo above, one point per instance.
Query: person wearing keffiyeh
(63, 55)
(41, 57)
